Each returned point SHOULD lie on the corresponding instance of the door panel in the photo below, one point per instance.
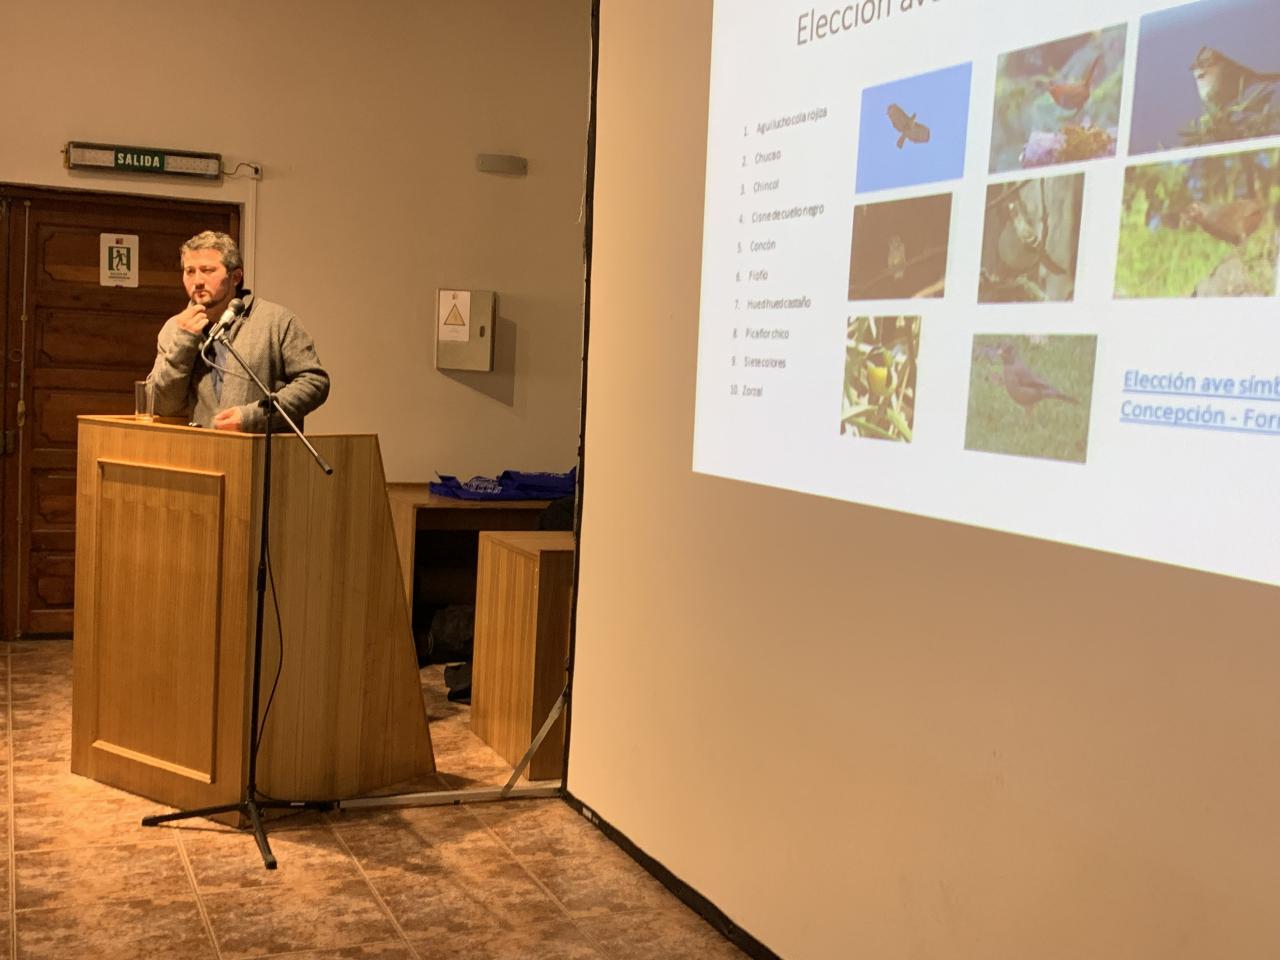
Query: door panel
(8, 433)
(72, 347)
(65, 335)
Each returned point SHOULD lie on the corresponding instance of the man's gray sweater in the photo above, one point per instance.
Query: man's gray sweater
(273, 343)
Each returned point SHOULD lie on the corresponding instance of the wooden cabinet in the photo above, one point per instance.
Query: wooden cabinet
(524, 582)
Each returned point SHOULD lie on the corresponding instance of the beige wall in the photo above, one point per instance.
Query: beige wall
(956, 744)
(366, 119)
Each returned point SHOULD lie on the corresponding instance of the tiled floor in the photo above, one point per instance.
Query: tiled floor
(527, 879)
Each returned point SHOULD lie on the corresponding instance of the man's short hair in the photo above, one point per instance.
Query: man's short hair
(213, 240)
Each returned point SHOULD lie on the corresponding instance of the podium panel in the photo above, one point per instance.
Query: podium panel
(157, 614)
(168, 522)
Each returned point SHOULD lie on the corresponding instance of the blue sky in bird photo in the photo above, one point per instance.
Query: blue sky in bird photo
(1166, 100)
(939, 102)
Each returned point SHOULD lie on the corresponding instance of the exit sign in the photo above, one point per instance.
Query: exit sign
(126, 159)
(138, 160)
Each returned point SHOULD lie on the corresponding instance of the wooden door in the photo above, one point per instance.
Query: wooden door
(72, 346)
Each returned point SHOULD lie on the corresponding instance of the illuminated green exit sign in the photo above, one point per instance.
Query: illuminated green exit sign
(138, 160)
(126, 159)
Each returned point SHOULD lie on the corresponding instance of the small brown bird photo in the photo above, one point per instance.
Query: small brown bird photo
(1204, 227)
(1058, 102)
(1030, 395)
(1031, 240)
(899, 249)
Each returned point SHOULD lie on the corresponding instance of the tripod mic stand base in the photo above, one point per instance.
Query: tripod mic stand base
(251, 808)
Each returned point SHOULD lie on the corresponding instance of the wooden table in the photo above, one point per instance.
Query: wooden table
(437, 537)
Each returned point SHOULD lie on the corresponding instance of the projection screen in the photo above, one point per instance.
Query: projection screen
(1018, 272)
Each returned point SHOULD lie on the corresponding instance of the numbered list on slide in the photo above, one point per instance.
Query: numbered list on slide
(764, 293)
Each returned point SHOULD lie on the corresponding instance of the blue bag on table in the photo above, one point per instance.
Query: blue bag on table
(508, 485)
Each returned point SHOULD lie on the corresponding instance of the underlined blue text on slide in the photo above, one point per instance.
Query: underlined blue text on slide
(1204, 416)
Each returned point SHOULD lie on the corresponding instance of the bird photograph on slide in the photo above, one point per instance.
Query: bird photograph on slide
(1030, 240)
(1206, 72)
(899, 249)
(913, 131)
(1203, 227)
(1058, 102)
(908, 127)
(1029, 395)
(880, 378)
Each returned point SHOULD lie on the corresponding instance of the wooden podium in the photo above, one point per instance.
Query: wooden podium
(167, 530)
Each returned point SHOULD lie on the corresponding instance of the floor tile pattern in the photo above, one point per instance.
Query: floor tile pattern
(523, 879)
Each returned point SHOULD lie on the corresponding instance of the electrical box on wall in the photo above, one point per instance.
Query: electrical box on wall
(464, 329)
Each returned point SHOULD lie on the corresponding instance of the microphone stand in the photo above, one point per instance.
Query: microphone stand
(249, 805)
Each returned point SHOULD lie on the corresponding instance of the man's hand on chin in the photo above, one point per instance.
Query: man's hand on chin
(229, 419)
(193, 319)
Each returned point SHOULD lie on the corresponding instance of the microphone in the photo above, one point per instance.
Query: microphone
(229, 315)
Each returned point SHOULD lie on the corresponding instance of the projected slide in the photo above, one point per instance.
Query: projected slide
(1011, 265)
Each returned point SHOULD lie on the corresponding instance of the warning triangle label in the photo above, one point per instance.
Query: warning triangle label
(454, 319)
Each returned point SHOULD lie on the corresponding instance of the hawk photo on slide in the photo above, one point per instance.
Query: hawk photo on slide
(907, 126)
